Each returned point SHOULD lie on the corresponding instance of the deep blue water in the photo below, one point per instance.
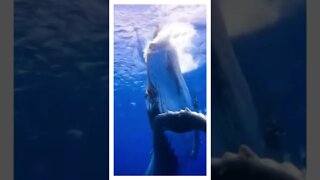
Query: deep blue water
(61, 90)
(132, 133)
(274, 63)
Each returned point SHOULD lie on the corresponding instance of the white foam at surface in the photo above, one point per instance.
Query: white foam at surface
(180, 35)
(135, 26)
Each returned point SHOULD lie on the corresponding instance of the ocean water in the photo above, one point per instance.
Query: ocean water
(132, 131)
(61, 89)
(273, 61)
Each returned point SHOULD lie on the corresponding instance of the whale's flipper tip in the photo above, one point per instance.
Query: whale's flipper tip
(187, 109)
(246, 152)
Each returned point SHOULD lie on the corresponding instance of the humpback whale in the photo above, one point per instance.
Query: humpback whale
(169, 106)
(235, 119)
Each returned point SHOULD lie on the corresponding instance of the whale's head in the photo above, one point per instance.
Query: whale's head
(167, 89)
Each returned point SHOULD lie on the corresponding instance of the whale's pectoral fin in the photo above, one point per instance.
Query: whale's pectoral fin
(164, 160)
(180, 121)
(247, 165)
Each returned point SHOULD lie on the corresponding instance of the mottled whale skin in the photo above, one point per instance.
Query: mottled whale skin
(169, 107)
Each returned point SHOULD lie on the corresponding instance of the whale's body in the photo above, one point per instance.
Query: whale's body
(164, 76)
(234, 117)
(235, 120)
(166, 95)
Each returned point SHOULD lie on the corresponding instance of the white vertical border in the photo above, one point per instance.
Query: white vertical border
(208, 61)
(111, 87)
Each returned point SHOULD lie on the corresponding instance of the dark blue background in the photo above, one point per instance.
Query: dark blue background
(274, 63)
(61, 101)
